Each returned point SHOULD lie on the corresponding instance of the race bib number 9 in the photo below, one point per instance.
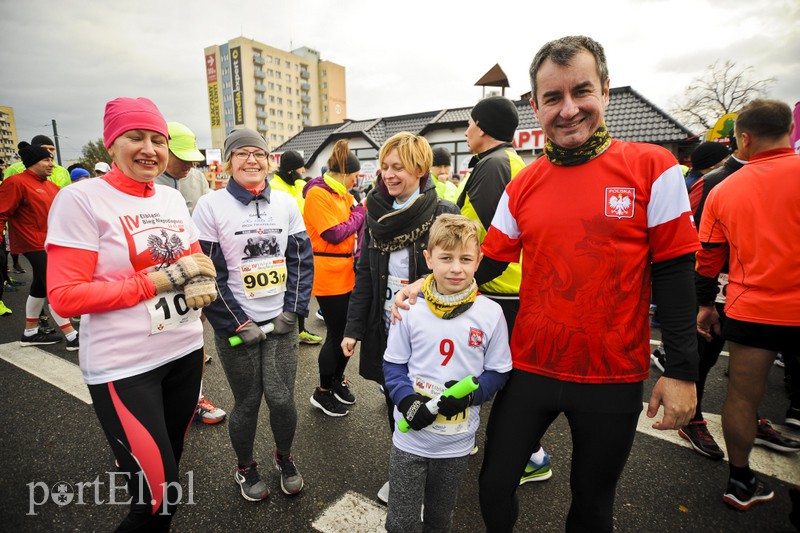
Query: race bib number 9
(168, 311)
(265, 276)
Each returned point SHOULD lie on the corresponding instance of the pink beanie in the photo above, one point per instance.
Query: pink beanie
(125, 114)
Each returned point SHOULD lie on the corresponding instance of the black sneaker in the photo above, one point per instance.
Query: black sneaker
(39, 339)
(74, 344)
(44, 325)
(793, 417)
(328, 403)
(253, 488)
(697, 434)
(742, 497)
(341, 389)
(769, 437)
(291, 480)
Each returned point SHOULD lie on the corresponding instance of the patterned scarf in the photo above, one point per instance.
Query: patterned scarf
(594, 146)
(447, 306)
(394, 229)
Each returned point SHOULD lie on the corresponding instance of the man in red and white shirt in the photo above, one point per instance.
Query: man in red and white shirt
(596, 220)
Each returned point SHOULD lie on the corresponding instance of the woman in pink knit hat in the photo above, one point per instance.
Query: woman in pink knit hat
(124, 254)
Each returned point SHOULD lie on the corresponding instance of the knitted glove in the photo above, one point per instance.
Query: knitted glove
(175, 276)
(200, 291)
(250, 333)
(416, 412)
(450, 406)
(285, 322)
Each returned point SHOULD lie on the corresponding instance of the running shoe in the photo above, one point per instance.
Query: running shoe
(208, 358)
(341, 389)
(537, 472)
(793, 417)
(291, 480)
(327, 403)
(44, 325)
(659, 359)
(252, 487)
(742, 496)
(208, 413)
(74, 345)
(3, 309)
(769, 437)
(696, 432)
(306, 337)
(779, 361)
(15, 282)
(318, 314)
(39, 339)
(18, 270)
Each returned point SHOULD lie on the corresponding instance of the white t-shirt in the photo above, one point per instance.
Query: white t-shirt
(129, 234)
(253, 241)
(437, 351)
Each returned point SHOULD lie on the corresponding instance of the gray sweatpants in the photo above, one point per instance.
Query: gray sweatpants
(414, 480)
(267, 369)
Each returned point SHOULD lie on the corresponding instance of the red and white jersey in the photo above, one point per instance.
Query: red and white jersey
(129, 234)
(588, 234)
(437, 351)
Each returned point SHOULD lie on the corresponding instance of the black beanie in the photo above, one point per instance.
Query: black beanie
(33, 154)
(497, 116)
(441, 157)
(708, 154)
(40, 140)
(291, 160)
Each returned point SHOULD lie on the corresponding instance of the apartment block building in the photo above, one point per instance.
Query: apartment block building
(277, 93)
(8, 134)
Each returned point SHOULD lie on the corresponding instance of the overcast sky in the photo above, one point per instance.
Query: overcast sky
(65, 59)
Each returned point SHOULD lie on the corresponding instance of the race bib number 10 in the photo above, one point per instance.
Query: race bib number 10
(168, 311)
(265, 276)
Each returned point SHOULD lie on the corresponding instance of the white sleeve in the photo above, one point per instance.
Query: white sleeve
(398, 346)
(498, 354)
(203, 218)
(71, 222)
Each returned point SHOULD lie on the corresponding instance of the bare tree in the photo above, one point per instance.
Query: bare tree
(723, 88)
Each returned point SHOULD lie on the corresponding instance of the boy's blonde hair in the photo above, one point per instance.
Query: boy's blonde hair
(450, 231)
(414, 151)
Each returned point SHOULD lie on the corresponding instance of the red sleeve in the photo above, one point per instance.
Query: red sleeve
(709, 261)
(72, 292)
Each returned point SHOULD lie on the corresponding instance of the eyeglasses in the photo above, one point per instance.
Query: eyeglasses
(244, 156)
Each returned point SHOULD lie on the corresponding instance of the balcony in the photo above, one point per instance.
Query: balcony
(262, 127)
(261, 100)
(306, 122)
(305, 98)
(305, 86)
(305, 74)
(306, 110)
(261, 88)
(258, 60)
(261, 114)
(258, 73)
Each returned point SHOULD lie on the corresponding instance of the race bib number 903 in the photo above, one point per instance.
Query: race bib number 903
(264, 277)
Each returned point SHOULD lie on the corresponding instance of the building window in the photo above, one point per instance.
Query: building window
(280, 125)
(270, 73)
(325, 109)
(271, 99)
(278, 61)
(288, 77)
(280, 87)
(280, 113)
(288, 64)
(288, 90)
(272, 111)
(289, 115)
(280, 101)
(272, 124)
(324, 84)
(271, 86)
(324, 72)
(289, 103)
(269, 59)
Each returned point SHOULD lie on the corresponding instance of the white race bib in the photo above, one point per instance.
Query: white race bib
(393, 285)
(169, 310)
(263, 276)
(442, 425)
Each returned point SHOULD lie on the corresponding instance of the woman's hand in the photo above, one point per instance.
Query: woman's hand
(349, 346)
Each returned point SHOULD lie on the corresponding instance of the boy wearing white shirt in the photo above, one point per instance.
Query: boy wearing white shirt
(457, 334)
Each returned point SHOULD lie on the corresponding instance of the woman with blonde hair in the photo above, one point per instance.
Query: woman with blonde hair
(400, 211)
(333, 219)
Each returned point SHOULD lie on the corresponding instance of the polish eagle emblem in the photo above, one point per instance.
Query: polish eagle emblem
(165, 249)
(619, 202)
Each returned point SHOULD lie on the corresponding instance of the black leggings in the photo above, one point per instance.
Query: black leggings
(145, 419)
(38, 261)
(332, 361)
(602, 420)
(708, 352)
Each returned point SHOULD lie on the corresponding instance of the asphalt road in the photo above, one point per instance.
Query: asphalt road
(51, 436)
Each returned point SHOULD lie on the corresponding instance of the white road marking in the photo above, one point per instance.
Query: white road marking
(352, 512)
(784, 466)
(48, 367)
